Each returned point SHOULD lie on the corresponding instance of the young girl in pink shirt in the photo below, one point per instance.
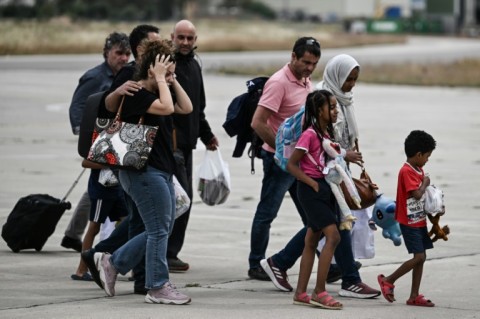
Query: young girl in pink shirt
(307, 164)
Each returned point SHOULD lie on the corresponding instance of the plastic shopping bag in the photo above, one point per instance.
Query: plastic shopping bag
(213, 179)
(362, 236)
(434, 202)
(182, 201)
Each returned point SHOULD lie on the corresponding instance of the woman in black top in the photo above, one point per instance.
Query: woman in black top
(152, 189)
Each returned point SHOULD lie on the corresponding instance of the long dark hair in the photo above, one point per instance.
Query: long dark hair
(315, 100)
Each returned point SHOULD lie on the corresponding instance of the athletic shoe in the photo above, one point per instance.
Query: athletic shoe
(360, 290)
(89, 260)
(177, 265)
(258, 273)
(108, 274)
(277, 276)
(168, 294)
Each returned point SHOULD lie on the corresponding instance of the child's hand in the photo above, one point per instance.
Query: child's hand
(313, 184)
(426, 180)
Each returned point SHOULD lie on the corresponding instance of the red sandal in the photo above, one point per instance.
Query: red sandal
(302, 299)
(421, 301)
(387, 288)
(324, 300)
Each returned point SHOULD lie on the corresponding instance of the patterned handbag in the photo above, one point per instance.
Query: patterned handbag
(123, 145)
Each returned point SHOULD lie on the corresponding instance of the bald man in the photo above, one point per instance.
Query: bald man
(188, 129)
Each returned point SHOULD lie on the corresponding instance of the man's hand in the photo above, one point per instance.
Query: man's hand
(128, 88)
(213, 144)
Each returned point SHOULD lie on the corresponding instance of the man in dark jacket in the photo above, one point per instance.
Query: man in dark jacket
(188, 128)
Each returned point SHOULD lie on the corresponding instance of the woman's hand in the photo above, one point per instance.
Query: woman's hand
(354, 157)
(160, 68)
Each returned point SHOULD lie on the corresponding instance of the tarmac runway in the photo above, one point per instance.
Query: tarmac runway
(39, 156)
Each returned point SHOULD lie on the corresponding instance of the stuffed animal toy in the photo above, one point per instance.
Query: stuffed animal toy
(337, 173)
(437, 232)
(383, 215)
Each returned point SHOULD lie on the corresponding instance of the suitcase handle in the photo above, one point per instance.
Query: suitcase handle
(73, 186)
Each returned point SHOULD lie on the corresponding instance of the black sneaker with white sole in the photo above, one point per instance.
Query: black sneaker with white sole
(277, 276)
(359, 290)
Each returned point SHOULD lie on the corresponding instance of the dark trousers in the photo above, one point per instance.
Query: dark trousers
(183, 159)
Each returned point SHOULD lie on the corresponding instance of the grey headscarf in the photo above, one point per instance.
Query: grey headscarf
(336, 72)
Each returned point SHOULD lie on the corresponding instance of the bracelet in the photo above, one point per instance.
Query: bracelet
(162, 81)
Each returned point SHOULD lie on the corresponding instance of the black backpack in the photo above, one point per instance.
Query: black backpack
(239, 117)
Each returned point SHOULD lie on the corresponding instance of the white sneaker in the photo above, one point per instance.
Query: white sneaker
(108, 274)
(168, 294)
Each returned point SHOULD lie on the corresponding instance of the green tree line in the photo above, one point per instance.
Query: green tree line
(120, 10)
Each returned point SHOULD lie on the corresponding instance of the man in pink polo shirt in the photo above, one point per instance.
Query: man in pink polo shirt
(283, 95)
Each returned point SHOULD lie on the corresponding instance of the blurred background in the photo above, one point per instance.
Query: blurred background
(358, 16)
(38, 27)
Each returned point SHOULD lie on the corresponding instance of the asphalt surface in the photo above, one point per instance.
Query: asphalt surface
(39, 156)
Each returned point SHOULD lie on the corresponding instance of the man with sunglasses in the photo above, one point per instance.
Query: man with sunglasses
(283, 95)
(188, 128)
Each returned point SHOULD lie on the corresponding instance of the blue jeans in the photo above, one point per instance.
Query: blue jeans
(154, 195)
(275, 184)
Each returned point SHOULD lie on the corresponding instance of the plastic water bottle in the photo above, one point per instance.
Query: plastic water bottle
(287, 140)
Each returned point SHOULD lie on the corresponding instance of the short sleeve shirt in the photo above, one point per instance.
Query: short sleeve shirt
(409, 211)
(310, 143)
(283, 94)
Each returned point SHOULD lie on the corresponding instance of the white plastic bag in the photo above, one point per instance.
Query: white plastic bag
(363, 237)
(182, 201)
(434, 202)
(108, 178)
(213, 179)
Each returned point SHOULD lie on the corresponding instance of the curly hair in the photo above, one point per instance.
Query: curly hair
(151, 50)
(419, 141)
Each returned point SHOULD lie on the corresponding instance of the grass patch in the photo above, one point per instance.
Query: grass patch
(463, 73)
(61, 35)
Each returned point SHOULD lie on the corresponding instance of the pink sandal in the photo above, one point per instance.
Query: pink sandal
(324, 300)
(387, 288)
(421, 301)
(302, 299)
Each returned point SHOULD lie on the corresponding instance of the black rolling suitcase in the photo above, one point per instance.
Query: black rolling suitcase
(33, 220)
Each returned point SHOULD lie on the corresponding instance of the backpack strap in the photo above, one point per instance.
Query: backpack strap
(314, 162)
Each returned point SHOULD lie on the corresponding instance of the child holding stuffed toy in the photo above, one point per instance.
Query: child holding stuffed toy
(410, 214)
(307, 164)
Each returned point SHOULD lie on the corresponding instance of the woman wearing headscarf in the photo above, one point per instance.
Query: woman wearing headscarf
(339, 77)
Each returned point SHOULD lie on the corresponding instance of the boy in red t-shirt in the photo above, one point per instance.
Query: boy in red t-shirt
(411, 216)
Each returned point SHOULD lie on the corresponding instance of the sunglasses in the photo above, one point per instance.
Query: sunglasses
(312, 42)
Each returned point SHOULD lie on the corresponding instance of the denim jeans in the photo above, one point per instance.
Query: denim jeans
(275, 184)
(154, 195)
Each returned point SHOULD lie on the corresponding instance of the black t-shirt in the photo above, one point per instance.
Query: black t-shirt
(125, 74)
(161, 156)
